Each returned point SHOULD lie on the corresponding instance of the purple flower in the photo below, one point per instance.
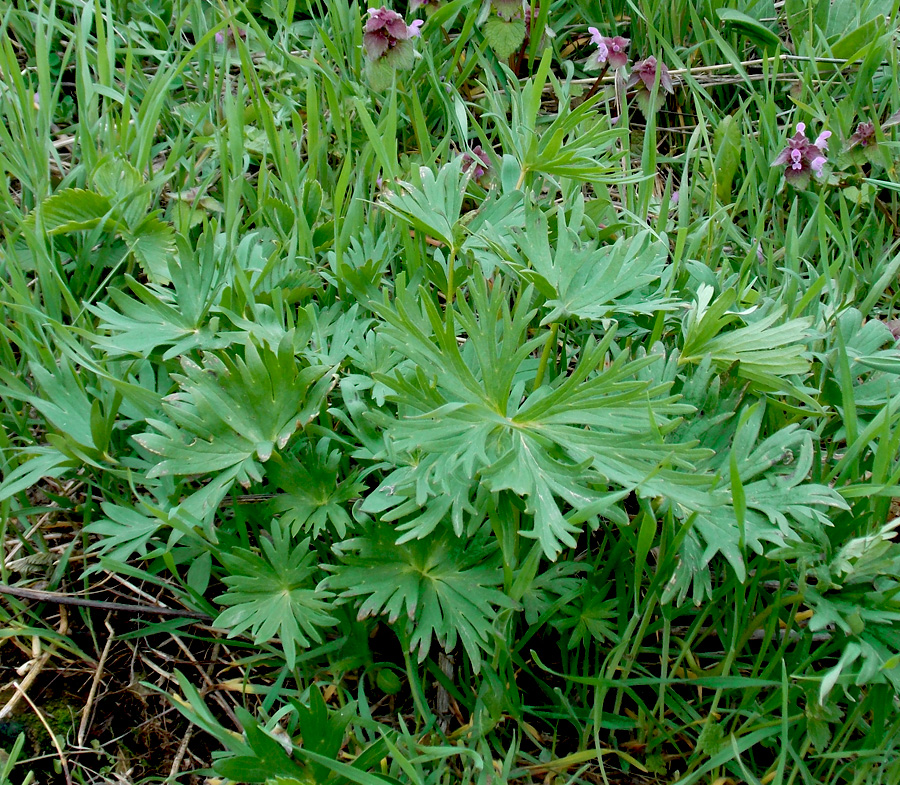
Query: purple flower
(644, 75)
(227, 37)
(429, 5)
(611, 50)
(801, 156)
(864, 136)
(478, 159)
(385, 31)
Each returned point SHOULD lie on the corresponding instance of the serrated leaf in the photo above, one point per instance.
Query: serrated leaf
(505, 37)
(472, 424)
(234, 411)
(445, 585)
(115, 178)
(152, 242)
(75, 209)
(271, 594)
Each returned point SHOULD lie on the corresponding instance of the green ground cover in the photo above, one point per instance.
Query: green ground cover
(464, 392)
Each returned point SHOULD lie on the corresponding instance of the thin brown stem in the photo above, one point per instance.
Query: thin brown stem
(597, 82)
(57, 598)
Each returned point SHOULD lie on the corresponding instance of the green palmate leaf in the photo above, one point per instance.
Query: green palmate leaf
(321, 730)
(123, 532)
(579, 278)
(271, 594)
(470, 421)
(268, 759)
(766, 351)
(233, 411)
(65, 403)
(577, 146)
(152, 241)
(547, 586)
(312, 497)
(590, 615)
(445, 585)
(855, 594)
(159, 317)
(769, 499)
(433, 204)
(80, 418)
(75, 209)
(47, 462)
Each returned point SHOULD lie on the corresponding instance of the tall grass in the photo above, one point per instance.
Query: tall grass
(484, 423)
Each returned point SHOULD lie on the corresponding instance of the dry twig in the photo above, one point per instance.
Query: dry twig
(40, 595)
(98, 674)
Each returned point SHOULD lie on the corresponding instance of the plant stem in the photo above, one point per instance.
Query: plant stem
(545, 355)
(451, 290)
(521, 179)
(597, 82)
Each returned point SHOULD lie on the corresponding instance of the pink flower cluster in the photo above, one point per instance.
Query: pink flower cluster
(385, 32)
(477, 162)
(609, 50)
(864, 136)
(227, 36)
(612, 52)
(643, 75)
(802, 157)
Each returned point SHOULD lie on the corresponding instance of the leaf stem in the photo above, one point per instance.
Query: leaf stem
(451, 289)
(415, 688)
(521, 179)
(545, 355)
(597, 83)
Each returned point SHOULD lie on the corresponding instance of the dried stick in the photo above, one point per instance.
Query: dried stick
(179, 756)
(72, 599)
(98, 674)
(36, 667)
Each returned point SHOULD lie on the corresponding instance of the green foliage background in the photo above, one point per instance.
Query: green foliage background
(579, 471)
